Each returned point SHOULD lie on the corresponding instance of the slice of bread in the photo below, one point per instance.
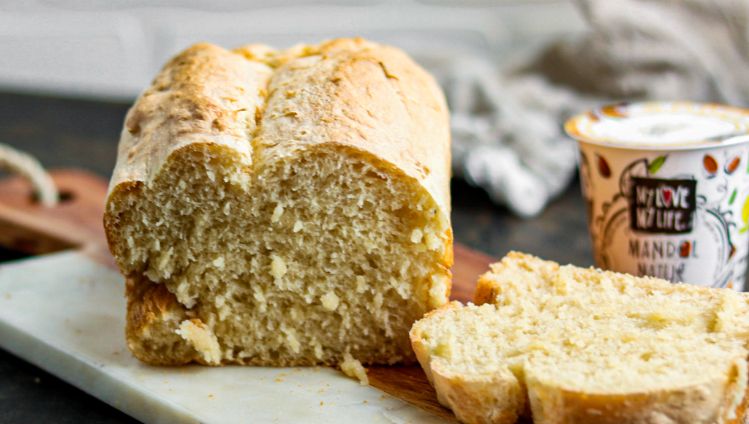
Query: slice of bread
(284, 207)
(569, 345)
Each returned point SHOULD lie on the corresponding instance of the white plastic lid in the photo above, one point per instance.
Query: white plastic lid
(658, 125)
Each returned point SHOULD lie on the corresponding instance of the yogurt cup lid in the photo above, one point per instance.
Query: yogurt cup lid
(661, 126)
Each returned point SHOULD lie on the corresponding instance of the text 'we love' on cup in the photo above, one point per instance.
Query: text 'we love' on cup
(666, 186)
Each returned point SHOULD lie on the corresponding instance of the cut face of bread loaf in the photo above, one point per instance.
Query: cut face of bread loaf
(572, 346)
(282, 207)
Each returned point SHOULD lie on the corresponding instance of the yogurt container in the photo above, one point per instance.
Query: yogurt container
(666, 186)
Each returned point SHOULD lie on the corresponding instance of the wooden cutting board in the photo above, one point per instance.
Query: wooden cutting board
(59, 308)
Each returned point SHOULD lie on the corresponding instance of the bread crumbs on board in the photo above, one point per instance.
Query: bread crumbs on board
(354, 369)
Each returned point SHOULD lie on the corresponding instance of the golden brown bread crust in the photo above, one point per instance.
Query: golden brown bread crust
(356, 97)
(368, 97)
(357, 93)
(152, 309)
(371, 97)
(677, 406)
(742, 411)
(207, 94)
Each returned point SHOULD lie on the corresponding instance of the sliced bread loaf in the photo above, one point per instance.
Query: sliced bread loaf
(282, 207)
(570, 345)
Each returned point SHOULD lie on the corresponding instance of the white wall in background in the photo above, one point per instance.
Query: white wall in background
(112, 48)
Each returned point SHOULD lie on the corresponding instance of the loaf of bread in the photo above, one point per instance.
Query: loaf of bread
(567, 345)
(283, 207)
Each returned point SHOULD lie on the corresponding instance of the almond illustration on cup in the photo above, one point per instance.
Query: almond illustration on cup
(618, 110)
(732, 165)
(685, 249)
(603, 167)
(710, 165)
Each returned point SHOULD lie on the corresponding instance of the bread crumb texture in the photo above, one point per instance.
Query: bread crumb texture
(354, 369)
(282, 207)
(202, 339)
(570, 345)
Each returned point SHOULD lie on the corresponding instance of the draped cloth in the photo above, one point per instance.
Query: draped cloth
(507, 121)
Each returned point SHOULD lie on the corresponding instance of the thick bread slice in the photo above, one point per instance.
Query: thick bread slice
(282, 207)
(568, 345)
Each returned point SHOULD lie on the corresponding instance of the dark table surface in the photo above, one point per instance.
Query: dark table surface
(84, 134)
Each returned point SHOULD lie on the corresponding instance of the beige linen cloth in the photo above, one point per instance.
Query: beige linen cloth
(507, 124)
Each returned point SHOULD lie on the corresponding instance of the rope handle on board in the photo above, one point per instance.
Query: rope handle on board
(25, 165)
